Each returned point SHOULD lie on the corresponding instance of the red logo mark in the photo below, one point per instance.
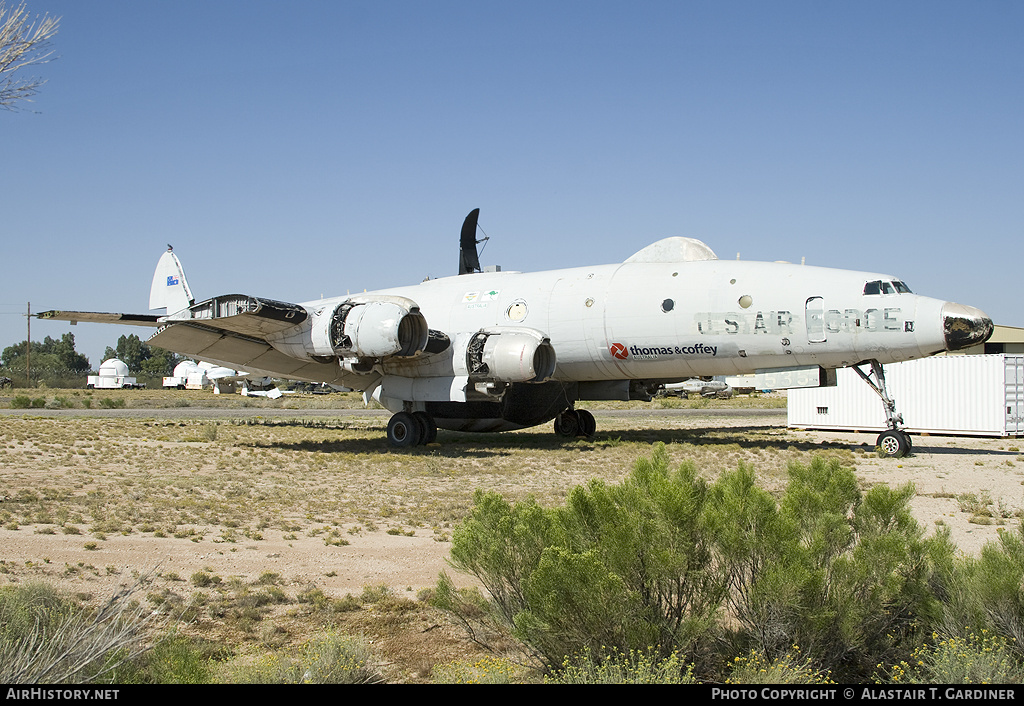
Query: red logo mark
(619, 351)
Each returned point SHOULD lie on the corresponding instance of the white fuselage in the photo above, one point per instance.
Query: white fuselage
(672, 321)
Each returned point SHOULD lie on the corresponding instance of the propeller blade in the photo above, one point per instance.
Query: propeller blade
(468, 260)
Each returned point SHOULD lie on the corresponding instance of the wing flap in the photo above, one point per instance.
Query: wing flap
(242, 314)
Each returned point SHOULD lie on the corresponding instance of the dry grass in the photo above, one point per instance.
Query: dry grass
(228, 476)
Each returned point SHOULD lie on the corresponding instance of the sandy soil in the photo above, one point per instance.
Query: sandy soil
(942, 468)
(402, 563)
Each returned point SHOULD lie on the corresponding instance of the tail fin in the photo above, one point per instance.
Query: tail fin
(170, 288)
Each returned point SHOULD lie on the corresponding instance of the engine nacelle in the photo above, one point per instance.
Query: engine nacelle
(369, 327)
(510, 355)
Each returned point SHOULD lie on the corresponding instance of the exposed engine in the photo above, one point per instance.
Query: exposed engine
(510, 355)
(367, 328)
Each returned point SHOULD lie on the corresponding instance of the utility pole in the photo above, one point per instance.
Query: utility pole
(28, 347)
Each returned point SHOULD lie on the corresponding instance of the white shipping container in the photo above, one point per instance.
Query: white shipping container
(978, 395)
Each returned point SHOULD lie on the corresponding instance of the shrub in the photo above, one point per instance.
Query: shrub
(653, 561)
(633, 667)
(975, 658)
(47, 638)
(984, 592)
(331, 658)
(623, 566)
(790, 668)
(173, 660)
(487, 670)
(844, 575)
(202, 579)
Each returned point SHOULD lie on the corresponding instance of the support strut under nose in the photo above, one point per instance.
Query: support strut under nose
(894, 441)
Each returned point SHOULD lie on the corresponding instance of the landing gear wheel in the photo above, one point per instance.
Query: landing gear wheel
(894, 443)
(567, 424)
(404, 430)
(588, 425)
(428, 428)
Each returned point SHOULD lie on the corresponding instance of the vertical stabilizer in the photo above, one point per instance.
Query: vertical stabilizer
(170, 288)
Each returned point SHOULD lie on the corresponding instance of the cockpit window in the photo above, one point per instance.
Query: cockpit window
(883, 287)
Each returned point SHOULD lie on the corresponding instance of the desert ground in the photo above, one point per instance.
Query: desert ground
(180, 485)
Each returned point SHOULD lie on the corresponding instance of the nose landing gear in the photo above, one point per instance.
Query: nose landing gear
(895, 441)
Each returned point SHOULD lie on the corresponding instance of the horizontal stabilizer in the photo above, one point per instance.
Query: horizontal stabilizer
(100, 318)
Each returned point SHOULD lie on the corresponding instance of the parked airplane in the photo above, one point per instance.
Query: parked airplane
(715, 387)
(191, 375)
(493, 351)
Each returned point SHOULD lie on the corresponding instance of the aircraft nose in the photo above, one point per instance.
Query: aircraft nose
(964, 326)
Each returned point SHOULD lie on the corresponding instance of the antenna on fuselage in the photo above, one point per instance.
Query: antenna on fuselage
(469, 260)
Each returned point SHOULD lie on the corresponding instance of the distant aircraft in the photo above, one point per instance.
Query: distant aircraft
(696, 386)
(191, 375)
(493, 351)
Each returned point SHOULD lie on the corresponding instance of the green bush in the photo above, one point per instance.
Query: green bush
(21, 402)
(983, 593)
(29, 608)
(173, 660)
(842, 574)
(660, 558)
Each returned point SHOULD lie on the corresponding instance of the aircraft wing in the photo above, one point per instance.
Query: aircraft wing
(231, 330)
(239, 351)
(228, 330)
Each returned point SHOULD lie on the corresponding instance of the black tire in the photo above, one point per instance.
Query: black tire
(567, 424)
(428, 428)
(404, 431)
(587, 423)
(894, 443)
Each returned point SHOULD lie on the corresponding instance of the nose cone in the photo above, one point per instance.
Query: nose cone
(964, 326)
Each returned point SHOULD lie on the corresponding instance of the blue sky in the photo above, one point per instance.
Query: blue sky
(308, 148)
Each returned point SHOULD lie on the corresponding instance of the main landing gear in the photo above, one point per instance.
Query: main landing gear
(411, 429)
(573, 423)
(894, 441)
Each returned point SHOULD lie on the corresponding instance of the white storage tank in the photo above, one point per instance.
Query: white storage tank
(980, 395)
